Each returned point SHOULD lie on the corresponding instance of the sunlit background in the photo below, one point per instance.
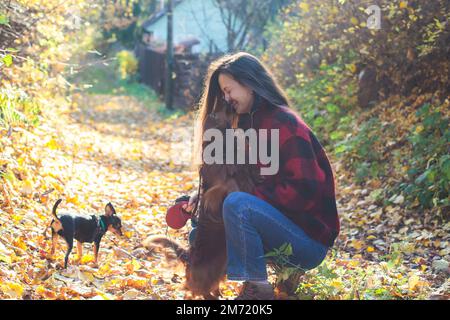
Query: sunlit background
(97, 105)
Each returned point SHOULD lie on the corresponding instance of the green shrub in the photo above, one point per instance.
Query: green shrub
(429, 165)
(127, 64)
(318, 48)
(16, 109)
(324, 102)
(362, 151)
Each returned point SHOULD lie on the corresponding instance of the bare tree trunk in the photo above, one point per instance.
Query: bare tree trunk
(169, 57)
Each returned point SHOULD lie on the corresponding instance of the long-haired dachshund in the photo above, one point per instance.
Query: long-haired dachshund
(206, 259)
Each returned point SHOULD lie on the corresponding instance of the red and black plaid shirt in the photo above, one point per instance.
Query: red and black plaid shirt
(303, 189)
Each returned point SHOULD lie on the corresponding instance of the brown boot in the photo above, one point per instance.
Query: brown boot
(290, 285)
(256, 291)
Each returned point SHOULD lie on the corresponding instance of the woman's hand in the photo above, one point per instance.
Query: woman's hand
(191, 204)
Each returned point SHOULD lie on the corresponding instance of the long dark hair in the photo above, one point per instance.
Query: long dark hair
(249, 71)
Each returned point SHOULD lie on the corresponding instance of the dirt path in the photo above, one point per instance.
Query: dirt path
(121, 152)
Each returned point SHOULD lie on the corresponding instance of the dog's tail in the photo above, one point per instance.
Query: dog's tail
(152, 242)
(55, 206)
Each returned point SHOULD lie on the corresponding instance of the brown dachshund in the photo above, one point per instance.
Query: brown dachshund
(206, 259)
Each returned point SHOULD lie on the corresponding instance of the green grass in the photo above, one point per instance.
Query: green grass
(17, 109)
(345, 276)
(104, 80)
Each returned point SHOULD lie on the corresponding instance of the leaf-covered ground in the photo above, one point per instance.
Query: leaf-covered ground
(101, 149)
(113, 148)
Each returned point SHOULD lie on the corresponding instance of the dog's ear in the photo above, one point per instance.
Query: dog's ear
(109, 210)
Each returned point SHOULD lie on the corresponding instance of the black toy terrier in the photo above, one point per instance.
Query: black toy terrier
(83, 229)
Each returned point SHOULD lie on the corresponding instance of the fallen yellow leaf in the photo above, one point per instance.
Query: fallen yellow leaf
(105, 268)
(20, 244)
(412, 282)
(354, 263)
(136, 265)
(128, 234)
(52, 144)
(337, 283)
(352, 67)
(357, 244)
(87, 258)
(419, 129)
(45, 293)
(16, 218)
(12, 289)
(73, 199)
(27, 187)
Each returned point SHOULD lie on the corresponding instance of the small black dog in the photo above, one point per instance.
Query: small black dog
(83, 229)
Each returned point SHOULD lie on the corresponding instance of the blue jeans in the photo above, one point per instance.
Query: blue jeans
(253, 227)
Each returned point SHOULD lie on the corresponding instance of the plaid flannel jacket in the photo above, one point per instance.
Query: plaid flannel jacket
(304, 188)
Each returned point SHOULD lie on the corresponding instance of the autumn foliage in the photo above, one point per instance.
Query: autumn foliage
(335, 63)
(75, 124)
